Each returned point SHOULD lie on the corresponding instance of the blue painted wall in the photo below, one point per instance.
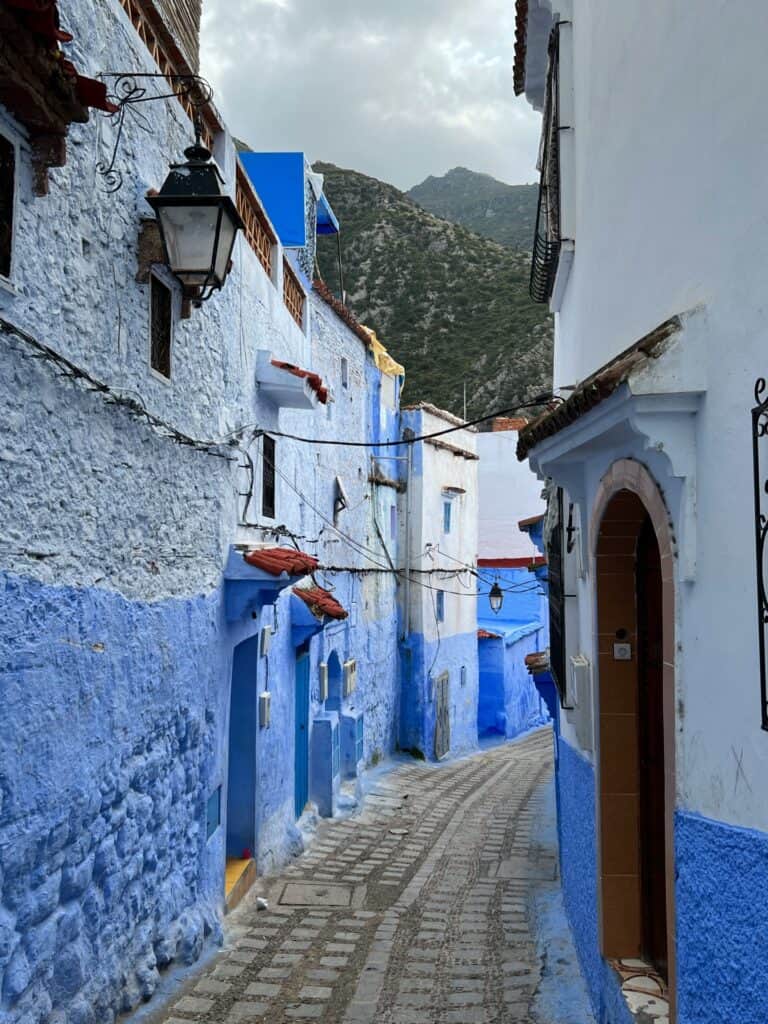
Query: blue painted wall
(575, 782)
(508, 701)
(107, 875)
(421, 664)
(722, 908)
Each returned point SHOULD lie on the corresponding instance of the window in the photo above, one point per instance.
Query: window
(440, 609)
(161, 326)
(344, 372)
(268, 477)
(7, 203)
(392, 522)
(213, 812)
(446, 517)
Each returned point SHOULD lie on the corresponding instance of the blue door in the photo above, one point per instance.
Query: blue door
(241, 783)
(301, 759)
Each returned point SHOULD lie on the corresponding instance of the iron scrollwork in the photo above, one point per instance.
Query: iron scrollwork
(760, 430)
(128, 92)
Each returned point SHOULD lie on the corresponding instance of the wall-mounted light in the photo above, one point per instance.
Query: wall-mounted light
(496, 598)
(198, 222)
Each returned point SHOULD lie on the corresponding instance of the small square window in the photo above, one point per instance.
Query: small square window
(447, 516)
(161, 326)
(440, 609)
(7, 203)
(344, 372)
(213, 812)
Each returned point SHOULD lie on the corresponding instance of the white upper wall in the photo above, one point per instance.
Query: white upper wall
(508, 492)
(669, 170)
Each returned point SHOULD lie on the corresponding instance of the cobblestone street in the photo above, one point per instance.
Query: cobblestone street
(421, 909)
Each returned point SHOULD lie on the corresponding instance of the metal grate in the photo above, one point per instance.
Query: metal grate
(556, 587)
(161, 321)
(546, 242)
(7, 184)
(268, 477)
(293, 296)
(257, 233)
(759, 432)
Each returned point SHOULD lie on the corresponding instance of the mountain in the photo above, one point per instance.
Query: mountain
(505, 213)
(451, 306)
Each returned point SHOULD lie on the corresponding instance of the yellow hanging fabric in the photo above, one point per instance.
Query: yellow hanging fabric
(381, 357)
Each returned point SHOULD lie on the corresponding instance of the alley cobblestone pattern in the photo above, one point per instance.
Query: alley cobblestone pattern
(414, 911)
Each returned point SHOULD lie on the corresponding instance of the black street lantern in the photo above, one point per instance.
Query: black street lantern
(198, 222)
(496, 598)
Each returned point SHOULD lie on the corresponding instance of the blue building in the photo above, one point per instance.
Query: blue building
(198, 628)
(516, 624)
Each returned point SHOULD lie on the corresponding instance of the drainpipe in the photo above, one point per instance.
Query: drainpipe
(408, 480)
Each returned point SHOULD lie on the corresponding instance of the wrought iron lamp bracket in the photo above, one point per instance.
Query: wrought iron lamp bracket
(128, 92)
(759, 432)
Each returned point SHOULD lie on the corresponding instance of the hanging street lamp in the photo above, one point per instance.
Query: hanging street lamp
(496, 598)
(198, 222)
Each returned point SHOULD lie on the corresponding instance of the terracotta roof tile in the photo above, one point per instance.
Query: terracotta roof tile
(276, 561)
(342, 312)
(485, 634)
(595, 389)
(321, 602)
(537, 662)
(314, 380)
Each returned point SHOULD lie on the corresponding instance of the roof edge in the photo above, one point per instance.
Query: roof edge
(597, 387)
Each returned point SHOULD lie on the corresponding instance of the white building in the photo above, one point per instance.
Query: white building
(439, 678)
(651, 250)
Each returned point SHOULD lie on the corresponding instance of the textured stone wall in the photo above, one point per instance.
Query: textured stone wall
(115, 656)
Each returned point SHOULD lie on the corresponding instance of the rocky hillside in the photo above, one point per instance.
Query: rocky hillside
(505, 213)
(450, 305)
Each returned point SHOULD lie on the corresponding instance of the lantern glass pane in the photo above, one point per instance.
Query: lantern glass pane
(227, 234)
(190, 234)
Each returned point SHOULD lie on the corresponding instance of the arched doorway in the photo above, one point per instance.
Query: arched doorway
(335, 680)
(635, 626)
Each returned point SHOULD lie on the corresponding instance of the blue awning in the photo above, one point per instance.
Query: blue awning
(326, 218)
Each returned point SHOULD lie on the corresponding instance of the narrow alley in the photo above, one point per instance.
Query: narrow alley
(438, 902)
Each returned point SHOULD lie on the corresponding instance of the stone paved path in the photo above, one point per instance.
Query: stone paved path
(415, 911)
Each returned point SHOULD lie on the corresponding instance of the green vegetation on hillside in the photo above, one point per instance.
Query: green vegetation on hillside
(450, 305)
(505, 213)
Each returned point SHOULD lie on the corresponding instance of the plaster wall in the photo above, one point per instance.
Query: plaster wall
(508, 491)
(116, 655)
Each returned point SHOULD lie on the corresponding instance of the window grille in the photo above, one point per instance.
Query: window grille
(293, 296)
(556, 576)
(446, 517)
(7, 198)
(440, 606)
(546, 242)
(268, 477)
(161, 320)
(344, 372)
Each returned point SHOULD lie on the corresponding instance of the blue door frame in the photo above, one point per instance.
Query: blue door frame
(301, 756)
(241, 775)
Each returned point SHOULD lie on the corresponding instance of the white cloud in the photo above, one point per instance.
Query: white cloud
(398, 89)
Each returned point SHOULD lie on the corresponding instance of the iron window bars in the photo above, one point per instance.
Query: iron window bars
(759, 431)
(546, 242)
(556, 577)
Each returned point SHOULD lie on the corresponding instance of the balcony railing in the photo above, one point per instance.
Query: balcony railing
(293, 294)
(546, 242)
(257, 232)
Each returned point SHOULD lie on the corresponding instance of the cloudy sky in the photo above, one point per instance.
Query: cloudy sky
(398, 88)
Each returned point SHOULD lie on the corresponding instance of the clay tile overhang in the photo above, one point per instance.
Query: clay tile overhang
(342, 312)
(277, 561)
(537, 662)
(314, 380)
(523, 524)
(485, 634)
(320, 602)
(595, 389)
(521, 33)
